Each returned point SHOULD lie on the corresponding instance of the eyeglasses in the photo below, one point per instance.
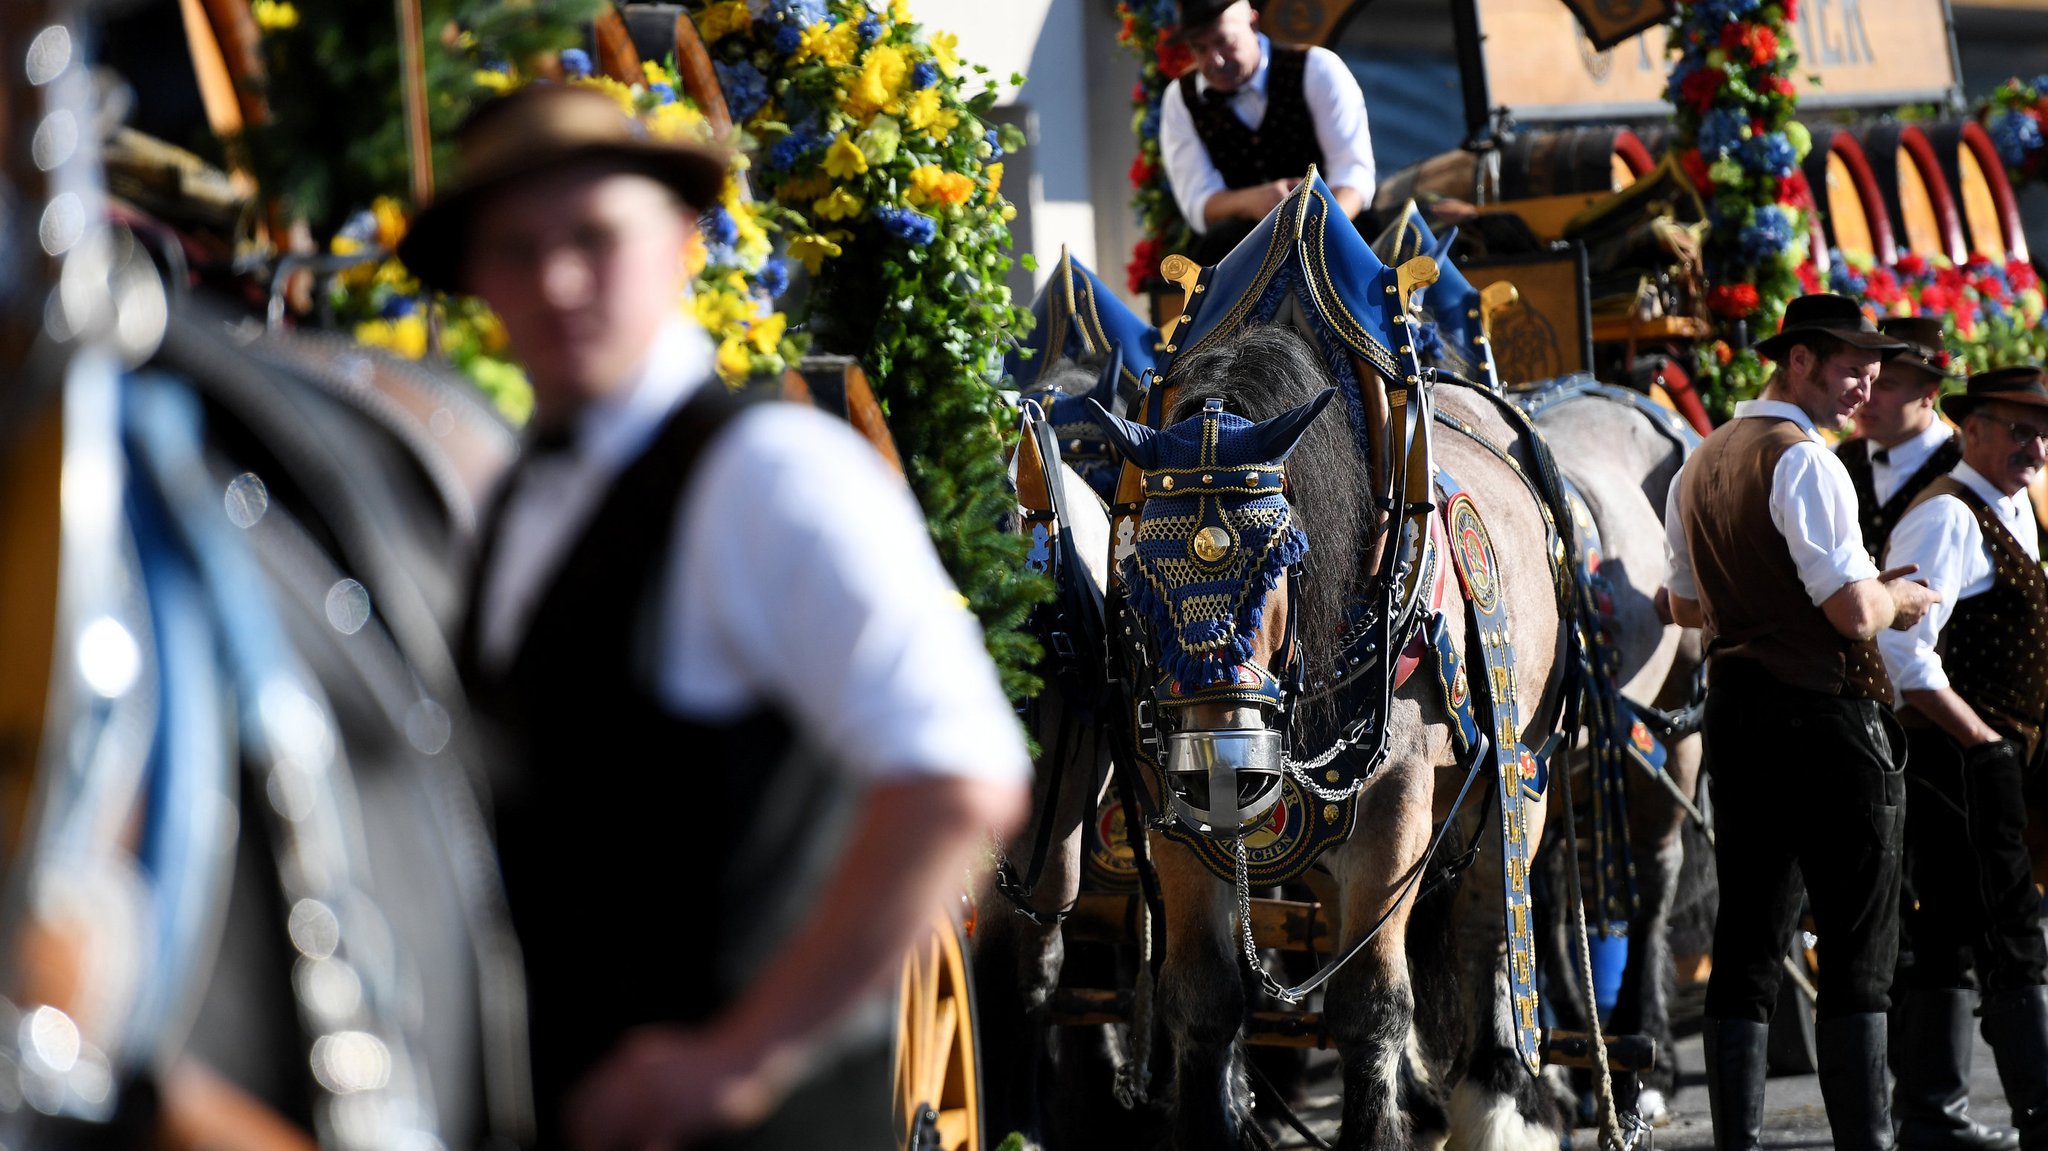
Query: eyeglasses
(2023, 433)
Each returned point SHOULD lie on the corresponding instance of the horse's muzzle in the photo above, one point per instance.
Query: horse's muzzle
(1223, 783)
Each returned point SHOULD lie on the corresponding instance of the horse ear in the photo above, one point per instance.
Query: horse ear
(1104, 393)
(1278, 436)
(1136, 442)
(1442, 252)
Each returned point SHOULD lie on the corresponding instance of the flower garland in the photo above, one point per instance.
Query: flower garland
(1991, 312)
(1161, 60)
(1734, 97)
(2016, 116)
(888, 183)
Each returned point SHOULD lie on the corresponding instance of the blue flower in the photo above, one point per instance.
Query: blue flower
(2040, 84)
(906, 224)
(2017, 136)
(1148, 128)
(802, 13)
(1768, 233)
(718, 227)
(995, 144)
(869, 30)
(1721, 131)
(662, 93)
(746, 89)
(1843, 279)
(773, 278)
(787, 38)
(397, 307)
(1770, 152)
(361, 227)
(575, 62)
(924, 75)
(790, 151)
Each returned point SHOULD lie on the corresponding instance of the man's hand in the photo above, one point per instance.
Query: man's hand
(1952, 714)
(1252, 203)
(664, 1086)
(1910, 598)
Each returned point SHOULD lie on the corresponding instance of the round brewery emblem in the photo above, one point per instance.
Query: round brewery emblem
(1110, 860)
(1282, 833)
(1475, 554)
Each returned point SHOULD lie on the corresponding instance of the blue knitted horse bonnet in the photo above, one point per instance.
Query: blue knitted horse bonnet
(1215, 535)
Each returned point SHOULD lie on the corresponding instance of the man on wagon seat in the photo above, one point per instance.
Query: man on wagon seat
(1900, 446)
(1767, 558)
(1973, 680)
(1239, 130)
(758, 740)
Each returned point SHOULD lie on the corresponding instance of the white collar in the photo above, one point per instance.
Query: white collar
(1920, 444)
(2010, 507)
(1257, 83)
(1778, 410)
(613, 429)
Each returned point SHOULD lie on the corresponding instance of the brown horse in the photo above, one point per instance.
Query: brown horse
(1421, 1009)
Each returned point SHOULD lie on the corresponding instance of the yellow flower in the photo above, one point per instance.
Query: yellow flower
(843, 160)
(808, 188)
(931, 184)
(945, 50)
(490, 331)
(752, 245)
(274, 15)
(1009, 211)
(899, 11)
(833, 44)
(494, 80)
(390, 221)
(609, 87)
(675, 121)
(656, 74)
(406, 335)
(718, 310)
(766, 333)
(813, 250)
(879, 87)
(696, 253)
(723, 19)
(994, 172)
(924, 111)
(840, 205)
(733, 361)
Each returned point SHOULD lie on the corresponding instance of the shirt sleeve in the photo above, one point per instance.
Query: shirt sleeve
(1337, 105)
(1188, 167)
(1813, 505)
(1941, 536)
(1677, 553)
(828, 599)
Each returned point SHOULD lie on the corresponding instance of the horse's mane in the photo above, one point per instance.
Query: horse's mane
(1267, 370)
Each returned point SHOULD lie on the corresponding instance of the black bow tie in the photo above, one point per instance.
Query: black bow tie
(1217, 97)
(1881, 456)
(547, 443)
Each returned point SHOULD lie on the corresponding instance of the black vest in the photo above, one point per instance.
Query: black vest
(651, 862)
(1878, 520)
(1995, 647)
(1282, 147)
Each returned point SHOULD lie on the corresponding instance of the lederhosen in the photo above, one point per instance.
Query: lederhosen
(652, 862)
(1966, 829)
(1878, 520)
(1282, 147)
(1800, 745)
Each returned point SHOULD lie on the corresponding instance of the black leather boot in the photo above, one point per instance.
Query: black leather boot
(1735, 1054)
(1851, 1050)
(1931, 1055)
(2016, 1025)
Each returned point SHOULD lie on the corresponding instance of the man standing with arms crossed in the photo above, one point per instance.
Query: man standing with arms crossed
(755, 742)
(1973, 679)
(1901, 446)
(1767, 558)
(1239, 130)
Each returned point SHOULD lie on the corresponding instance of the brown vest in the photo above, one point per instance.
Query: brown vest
(1995, 646)
(1749, 589)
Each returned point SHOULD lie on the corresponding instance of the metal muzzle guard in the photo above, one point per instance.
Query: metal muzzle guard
(1243, 769)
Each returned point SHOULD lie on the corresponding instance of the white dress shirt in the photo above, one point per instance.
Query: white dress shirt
(1942, 536)
(1813, 506)
(800, 575)
(1903, 459)
(1334, 101)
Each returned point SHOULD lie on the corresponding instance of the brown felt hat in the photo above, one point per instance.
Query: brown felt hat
(1194, 15)
(1824, 314)
(538, 131)
(2022, 385)
(1926, 346)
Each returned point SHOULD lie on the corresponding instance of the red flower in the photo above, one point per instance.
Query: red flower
(1949, 278)
(1174, 57)
(1912, 264)
(1882, 287)
(1731, 35)
(1783, 86)
(1763, 45)
(1978, 264)
(1144, 263)
(1733, 301)
(1138, 93)
(1791, 11)
(1696, 170)
(1141, 172)
(2020, 275)
(1990, 288)
(1129, 31)
(1700, 88)
(1936, 299)
(1809, 278)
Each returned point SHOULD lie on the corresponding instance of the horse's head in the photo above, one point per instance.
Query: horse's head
(1065, 392)
(1217, 575)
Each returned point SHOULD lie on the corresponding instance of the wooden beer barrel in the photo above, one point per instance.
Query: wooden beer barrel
(1970, 163)
(1851, 206)
(1533, 164)
(1916, 194)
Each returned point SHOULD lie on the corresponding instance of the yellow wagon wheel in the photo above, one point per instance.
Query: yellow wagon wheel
(937, 1082)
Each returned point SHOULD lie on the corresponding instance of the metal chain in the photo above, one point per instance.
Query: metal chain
(1273, 986)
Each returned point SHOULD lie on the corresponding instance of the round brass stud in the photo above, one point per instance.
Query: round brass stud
(1166, 482)
(1212, 544)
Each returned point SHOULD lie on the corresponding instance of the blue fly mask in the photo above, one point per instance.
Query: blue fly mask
(1083, 446)
(1215, 535)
